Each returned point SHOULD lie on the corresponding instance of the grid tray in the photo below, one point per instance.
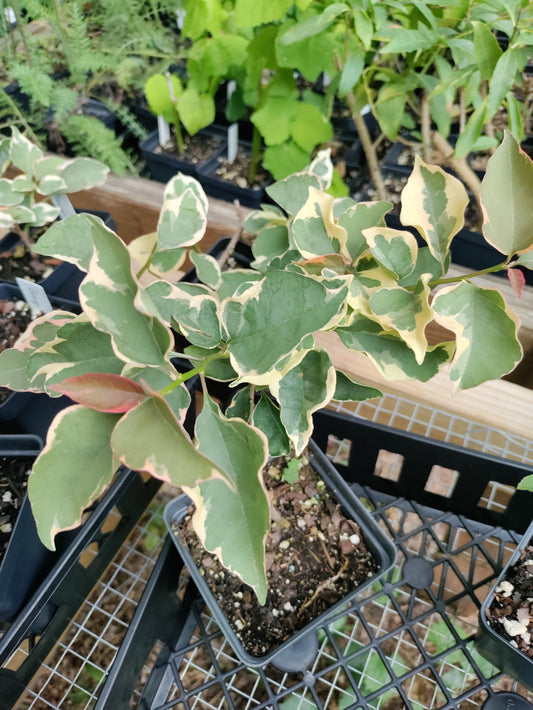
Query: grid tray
(408, 642)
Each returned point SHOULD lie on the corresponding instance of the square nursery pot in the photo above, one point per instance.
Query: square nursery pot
(26, 559)
(297, 651)
(163, 165)
(217, 186)
(501, 650)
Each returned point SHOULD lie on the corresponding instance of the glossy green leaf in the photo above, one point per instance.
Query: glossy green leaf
(486, 48)
(502, 80)
(483, 324)
(241, 451)
(196, 110)
(507, 196)
(77, 449)
(351, 73)
(303, 390)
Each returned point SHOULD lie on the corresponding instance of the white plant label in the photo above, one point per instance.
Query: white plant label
(64, 204)
(233, 130)
(164, 131)
(35, 296)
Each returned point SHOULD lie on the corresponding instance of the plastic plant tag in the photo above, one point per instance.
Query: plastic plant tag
(35, 296)
(233, 130)
(164, 130)
(65, 206)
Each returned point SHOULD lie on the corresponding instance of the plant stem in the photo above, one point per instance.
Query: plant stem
(255, 156)
(467, 277)
(148, 262)
(22, 31)
(198, 370)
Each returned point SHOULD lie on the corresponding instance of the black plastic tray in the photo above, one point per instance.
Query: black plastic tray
(405, 637)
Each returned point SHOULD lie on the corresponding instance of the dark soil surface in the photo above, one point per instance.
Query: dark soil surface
(197, 148)
(238, 171)
(511, 612)
(314, 557)
(23, 263)
(15, 316)
(13, 482)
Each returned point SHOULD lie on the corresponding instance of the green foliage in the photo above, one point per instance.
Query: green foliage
(89, 136)
(332, 266)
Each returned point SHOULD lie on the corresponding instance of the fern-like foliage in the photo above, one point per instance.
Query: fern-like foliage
(86, 135)
(128, 120)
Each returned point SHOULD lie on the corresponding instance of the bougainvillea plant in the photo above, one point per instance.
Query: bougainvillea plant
(320, 265)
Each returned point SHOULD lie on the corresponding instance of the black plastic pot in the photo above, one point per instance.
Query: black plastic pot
(26, 559)
(496, 649)
(164, 166)
(441, 537)
(376, 541)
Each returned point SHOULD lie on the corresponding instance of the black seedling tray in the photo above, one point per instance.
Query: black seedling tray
(407, 642)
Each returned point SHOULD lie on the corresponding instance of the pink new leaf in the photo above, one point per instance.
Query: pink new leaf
(517, 279)
(102, 391)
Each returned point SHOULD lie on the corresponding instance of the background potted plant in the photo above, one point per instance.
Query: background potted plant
(338, 267)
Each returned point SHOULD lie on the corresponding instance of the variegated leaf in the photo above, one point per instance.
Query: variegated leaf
(358, 218)
(391, 356)
(292, 192)
(267, 417)
(241, 450)
(207, 268)
(506, 198)
(182, 221)
(217, 369)
(196, 315)
(82, 173)
(163, 264)
(303, 390)
(486, 333)
(76, 349)
(233, 279)
(181, 183)
(241, 404)
(8, 195)
(274, 315)
(396, 250)
(103, 391)
(23, 152)
(408, 313)
(108, 297)
(434, 202)
(174, 459)
(77, 450)
(322, 167)
(271, 242)
(314, 230)
(349, 390)
(43, 213)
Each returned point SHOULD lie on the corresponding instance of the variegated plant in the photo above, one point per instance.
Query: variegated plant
(36, 195)
(321, 264)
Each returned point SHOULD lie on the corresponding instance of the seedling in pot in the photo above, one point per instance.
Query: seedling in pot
(322, 267)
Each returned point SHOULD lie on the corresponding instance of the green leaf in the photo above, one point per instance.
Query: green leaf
(309, 127)
(8, 195)
(196, 110)
(43, 213)
(283, 160)
(507, 196)
(474, 127)
(271, 242)
(396, 250)
(291, 472)
(207, 268)
(486, 48)
(309, 55)
(389, 110)
(349, 390)
(203, 16)
(351, 72)
(241, 404)
(150, 438)
(47, 167)
(274, 315)
(405, 40)
(249, 13)
(267, 417)
(23, 152)
(434, 202)
(391, 356)
(314, 230)
(314, 24)
(514, 113)
(241, 451)
(104, 391)
(526, 484)
(52, 185)
(502, 80)
(482, 323)
(22, 183)
(156, 90)
(77, 444)
(273, 119)
(303, 390)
